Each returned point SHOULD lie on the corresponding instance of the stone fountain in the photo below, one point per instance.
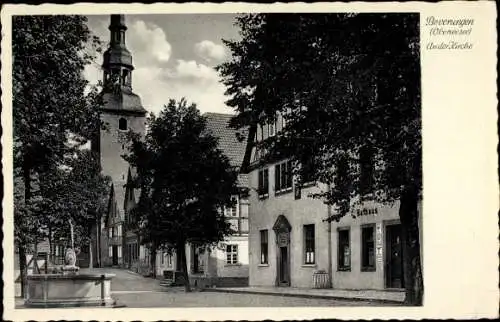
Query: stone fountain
(69, 288)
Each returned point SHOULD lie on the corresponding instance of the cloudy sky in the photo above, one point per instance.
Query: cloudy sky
(173, 56)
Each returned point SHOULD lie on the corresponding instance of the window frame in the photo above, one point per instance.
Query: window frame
(364, 266)
(307, 259)
(272, 125)
(228, 211)
(340, 253)
(281, 176)
(233, 250)
(264, 250)
(263, 190)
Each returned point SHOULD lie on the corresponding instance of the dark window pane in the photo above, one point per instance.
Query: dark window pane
(344, 251)
(368, 248)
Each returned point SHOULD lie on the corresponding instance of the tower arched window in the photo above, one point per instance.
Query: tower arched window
(125, 76)
(122, 124)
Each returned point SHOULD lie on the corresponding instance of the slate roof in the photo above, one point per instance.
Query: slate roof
(233, 148)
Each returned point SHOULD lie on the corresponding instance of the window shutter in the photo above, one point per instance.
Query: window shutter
(266, 181)
(289, 174)
(261, 182)
(277, 173)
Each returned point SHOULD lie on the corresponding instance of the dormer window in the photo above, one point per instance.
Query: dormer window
(122, 124)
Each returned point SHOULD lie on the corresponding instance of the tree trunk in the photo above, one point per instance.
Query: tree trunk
(153, 260)
(23, 268)
(36, 269)
(22, 247)
(51, 246)
(91, 255)
(98, 242)
(408, 213)
(182, 250)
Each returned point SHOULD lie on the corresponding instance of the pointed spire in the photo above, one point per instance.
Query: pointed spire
(117, 29)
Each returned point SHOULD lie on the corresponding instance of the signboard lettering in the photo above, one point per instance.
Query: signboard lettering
(283, 239)
(367, 211)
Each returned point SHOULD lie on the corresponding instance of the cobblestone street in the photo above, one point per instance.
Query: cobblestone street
(133, 290)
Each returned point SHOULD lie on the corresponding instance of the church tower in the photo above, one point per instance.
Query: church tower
(122, 111)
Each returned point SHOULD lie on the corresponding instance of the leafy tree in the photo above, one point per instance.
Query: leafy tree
(184, 179)
(349, 87)
(75, 193)
(51, 104)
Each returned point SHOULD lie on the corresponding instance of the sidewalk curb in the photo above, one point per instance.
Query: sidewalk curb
(313, 296)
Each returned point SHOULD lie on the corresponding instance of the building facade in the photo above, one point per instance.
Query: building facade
(122, 111)
(291, 243)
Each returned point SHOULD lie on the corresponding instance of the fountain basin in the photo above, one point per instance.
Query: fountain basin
(57, 290)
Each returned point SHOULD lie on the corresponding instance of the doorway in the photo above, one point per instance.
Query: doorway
(394, 257)
(284, 267)
(115, 255)
(282, 229)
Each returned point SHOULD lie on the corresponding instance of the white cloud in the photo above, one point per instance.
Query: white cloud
(154, 80)
(147, 41)
(196, 82)
(193, 70)
(210, 51)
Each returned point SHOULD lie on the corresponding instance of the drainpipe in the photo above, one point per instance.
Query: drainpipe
(330, 272)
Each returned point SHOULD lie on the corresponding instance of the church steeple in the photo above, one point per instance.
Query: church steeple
(117, 71)
(117, 62)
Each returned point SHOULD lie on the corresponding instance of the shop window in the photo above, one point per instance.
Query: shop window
(122, 124)
(344, 250)
(283, 176)
(367, 248)
(231, 254)
(263, 189)
(309, 247)
(264, 247)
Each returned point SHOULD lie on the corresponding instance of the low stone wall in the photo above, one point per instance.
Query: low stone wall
(56, 290)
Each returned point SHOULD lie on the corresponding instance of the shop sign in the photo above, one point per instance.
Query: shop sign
(379, 234)
(379, 254)
(367, 211)
(283, 239)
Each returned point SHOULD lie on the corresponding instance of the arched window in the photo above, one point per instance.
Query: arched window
(122, 124)
(125, 75)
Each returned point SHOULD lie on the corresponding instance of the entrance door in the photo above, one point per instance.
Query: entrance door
(394, 257)
(284, 278)
(282, 229)
(115, 255)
